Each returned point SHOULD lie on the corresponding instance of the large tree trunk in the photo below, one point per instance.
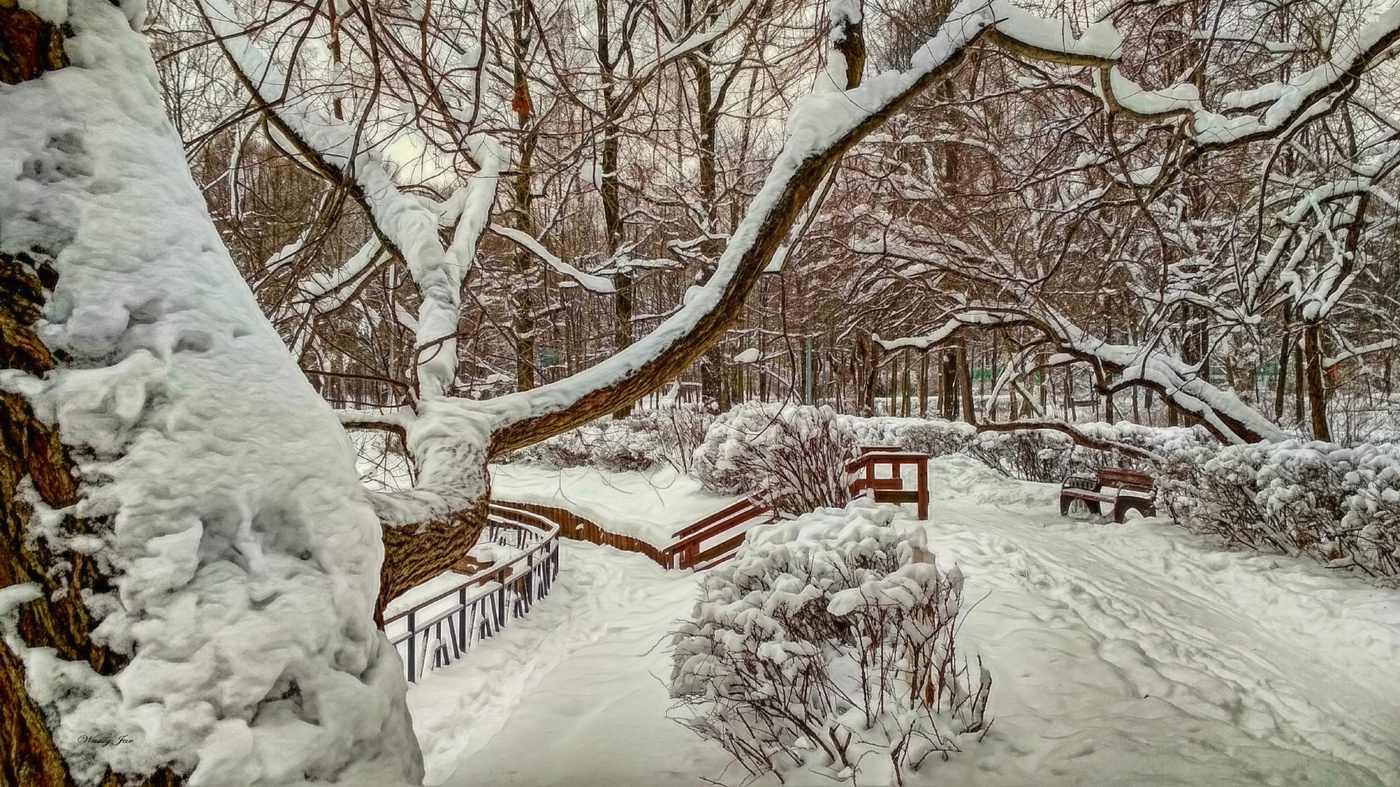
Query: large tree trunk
(523, 296)
(157, 438)
(33, 461)
(1317, 393)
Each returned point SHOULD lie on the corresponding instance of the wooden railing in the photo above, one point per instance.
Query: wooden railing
(687, 547)
(485, 601)
(573, 526)
(890, 489)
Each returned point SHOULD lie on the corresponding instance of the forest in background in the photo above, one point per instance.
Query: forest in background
(1010, 248)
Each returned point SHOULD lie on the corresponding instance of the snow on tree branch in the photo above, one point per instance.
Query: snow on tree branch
(821, 127)
(588, 281)
(405, 224)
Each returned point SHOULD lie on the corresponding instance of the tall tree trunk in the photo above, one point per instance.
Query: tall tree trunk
(1282, 388)
(948, 381)
(712, 364)
(161, 522)
(904, 386)
(522, 296)
(965, 384)
(610, 190)
(34, 463)
(1317, 393)
(923, 384)
(1299, 413)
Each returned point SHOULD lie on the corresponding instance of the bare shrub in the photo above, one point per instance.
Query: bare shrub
(792, 458)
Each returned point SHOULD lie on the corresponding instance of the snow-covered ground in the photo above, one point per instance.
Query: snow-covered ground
(1123, 655)
(647, 506)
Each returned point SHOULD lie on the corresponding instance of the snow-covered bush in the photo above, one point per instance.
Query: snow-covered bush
(765, 449)
(643, 441)
(791, 457)
(937, 438)
(830, 643)
(1339, 505)
(1031, 454)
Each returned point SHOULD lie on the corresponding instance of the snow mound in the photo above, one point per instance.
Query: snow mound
(957, 476)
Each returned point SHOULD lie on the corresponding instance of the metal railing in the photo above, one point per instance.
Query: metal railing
(482, 603)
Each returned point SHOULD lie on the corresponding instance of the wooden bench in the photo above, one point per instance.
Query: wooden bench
(1123, 489)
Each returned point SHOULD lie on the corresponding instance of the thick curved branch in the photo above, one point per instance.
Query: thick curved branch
(821, 129)
(406, 225)
(1078, 435)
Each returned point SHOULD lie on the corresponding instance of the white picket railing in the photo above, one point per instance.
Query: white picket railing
(481, 604)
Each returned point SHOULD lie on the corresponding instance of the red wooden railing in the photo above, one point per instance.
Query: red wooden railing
(688, 549)
(890, 489)
(573, 526)
(688, 546)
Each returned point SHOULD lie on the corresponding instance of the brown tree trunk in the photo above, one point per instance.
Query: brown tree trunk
(965, 384)
(30, 451)
(1317, 393)
(610, 190)
(522, 296)
(414, 554)
(1283, 357)
(923, 385)
(948, 378)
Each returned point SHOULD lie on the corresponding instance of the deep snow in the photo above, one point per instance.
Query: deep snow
(1134, 654)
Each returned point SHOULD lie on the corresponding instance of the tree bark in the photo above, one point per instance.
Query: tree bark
(965, 384)
(1283, 356)
(31, 455)
(1317, 393)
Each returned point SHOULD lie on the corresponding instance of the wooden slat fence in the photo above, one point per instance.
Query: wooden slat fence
(890, 489)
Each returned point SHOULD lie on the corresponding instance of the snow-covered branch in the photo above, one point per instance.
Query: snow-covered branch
(405, 224)
(821, 128)
(588, 281)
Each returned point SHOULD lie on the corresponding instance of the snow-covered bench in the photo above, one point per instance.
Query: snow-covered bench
(1124, 489)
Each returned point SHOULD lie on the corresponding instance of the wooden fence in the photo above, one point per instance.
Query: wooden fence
(890, 489)
(693, 546)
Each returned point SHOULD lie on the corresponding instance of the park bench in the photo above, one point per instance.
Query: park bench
(1123, 489)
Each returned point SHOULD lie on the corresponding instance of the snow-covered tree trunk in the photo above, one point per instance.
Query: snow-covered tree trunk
(189, 563)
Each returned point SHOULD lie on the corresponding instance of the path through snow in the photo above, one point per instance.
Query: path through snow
(1123, 655)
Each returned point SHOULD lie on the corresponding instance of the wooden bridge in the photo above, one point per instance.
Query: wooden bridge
(438, 631)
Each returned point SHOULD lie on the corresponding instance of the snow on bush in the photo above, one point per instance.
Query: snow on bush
(1340, 505)
(752, 442)
(791, 457)
(640, 442)
(829, 643)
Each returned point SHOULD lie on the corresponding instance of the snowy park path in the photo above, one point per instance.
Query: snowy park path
(1123, 655)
